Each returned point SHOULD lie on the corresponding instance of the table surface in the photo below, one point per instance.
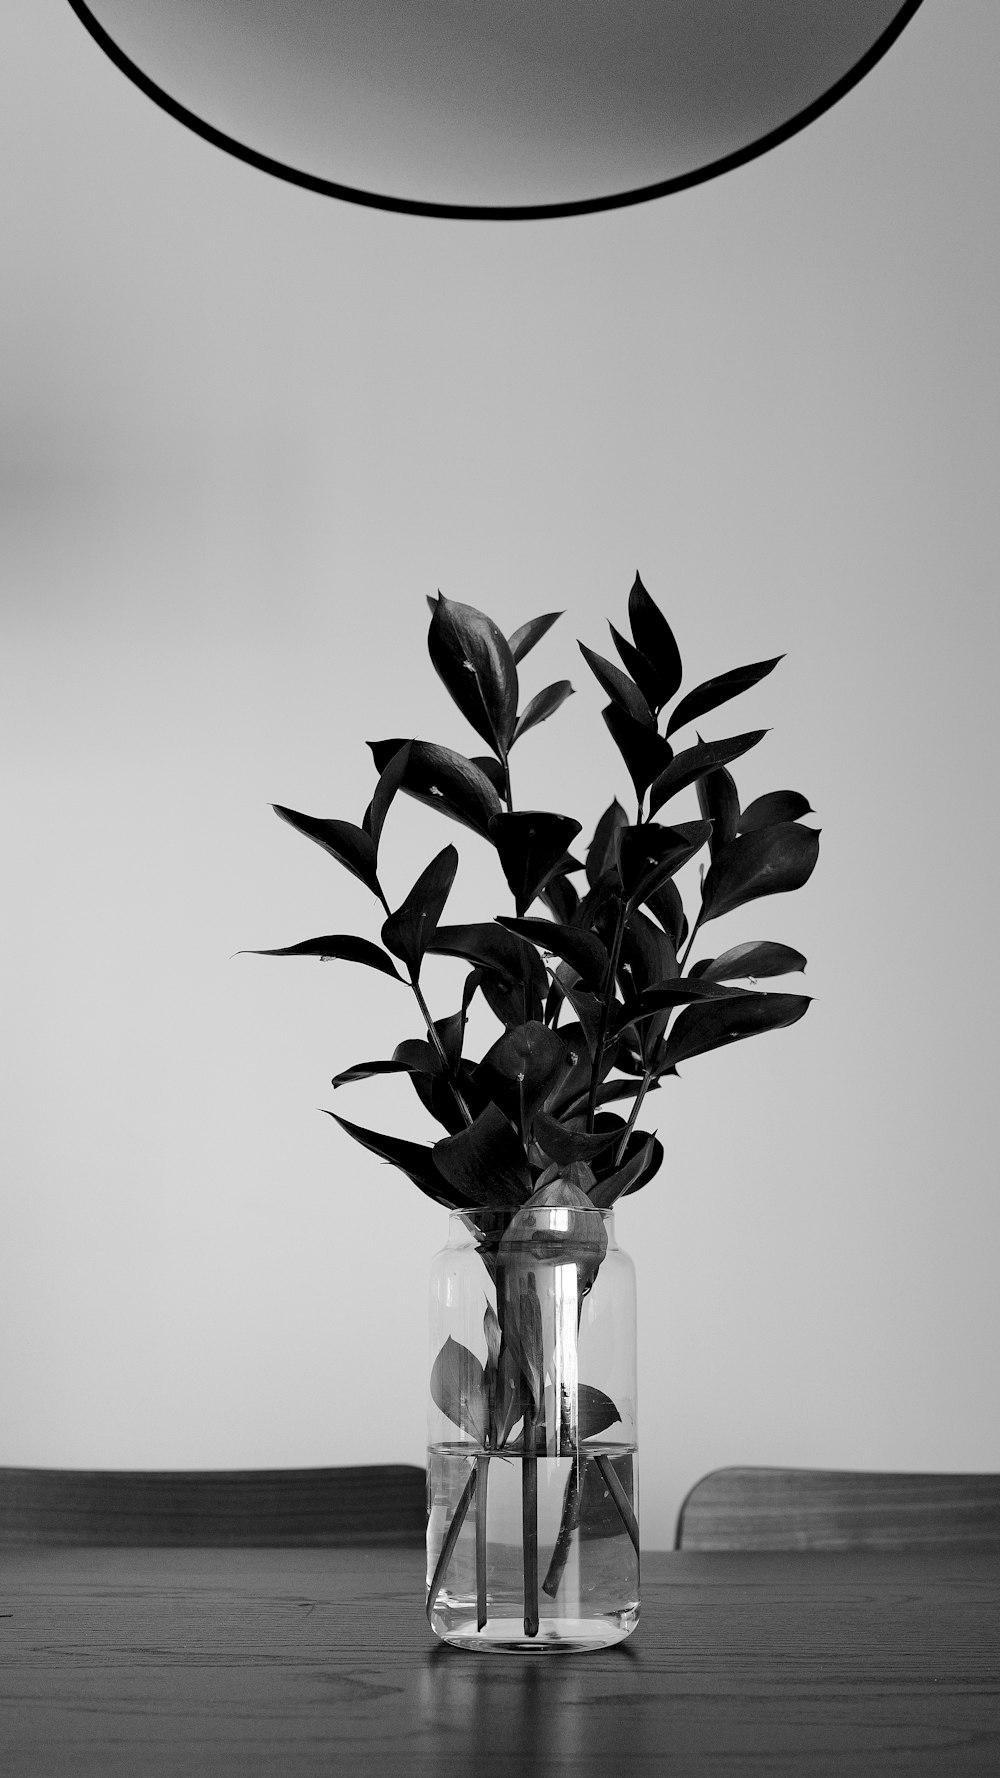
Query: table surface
(244, 1662)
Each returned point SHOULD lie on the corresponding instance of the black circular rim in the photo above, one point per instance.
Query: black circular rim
(499, 212)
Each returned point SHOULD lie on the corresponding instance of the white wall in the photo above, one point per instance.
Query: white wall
(245, 430)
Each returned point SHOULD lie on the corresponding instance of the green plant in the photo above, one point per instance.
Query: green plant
(598, 999)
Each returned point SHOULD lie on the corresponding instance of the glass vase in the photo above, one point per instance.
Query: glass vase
(532, 1536)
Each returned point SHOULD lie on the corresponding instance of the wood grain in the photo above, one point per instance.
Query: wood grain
(831, 1509)
(380, 1503)
(239, 1663)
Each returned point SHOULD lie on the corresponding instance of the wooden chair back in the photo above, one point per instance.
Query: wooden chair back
(829, 1509)
(380, 1504)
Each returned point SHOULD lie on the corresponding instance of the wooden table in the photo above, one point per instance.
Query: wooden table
(137, 1663)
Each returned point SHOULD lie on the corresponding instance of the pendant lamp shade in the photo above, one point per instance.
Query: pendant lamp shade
(495, 108)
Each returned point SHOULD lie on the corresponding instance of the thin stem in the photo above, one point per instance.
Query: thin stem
(647, 1081)
(572, 1499)
(482, 1475)
(529, 1529)
(448, 1547)
(623, 1503)
(602, 1029)
(438, 1046)
(687, 949)
(506, 781)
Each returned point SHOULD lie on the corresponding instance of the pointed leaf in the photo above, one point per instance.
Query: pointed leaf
(682, 992)
(654, 639)
(349, 845)
(336, 945)
(665, 904)
(458, 1389)
(642, 1159)
(531, 845)
(719, 802)
(595, 1411)
(619, 687)
(564, 1146)
(444, 780)
(474, 659)
(491, 947)
(646, 754)
(389, 782)
(778, 805)
(530, 633)
(713, 692)
(585, 1004)
(638, 668)
(602, 855)
(718, 1022)
(651, 854)
(761, 957)
(414, 1159)
(694, 762)
(522, 1067)
(493, 770)
(485, 1163)
(366, 1071)
(769, 861)
(561, 898)
(542, 705)
(583, 950)
(408, 931)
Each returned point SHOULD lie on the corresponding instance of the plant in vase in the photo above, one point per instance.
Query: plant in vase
(533, 1444)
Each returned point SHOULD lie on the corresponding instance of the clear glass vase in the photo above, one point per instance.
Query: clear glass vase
(532, 1536)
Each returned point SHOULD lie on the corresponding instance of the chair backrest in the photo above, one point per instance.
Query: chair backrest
(380, 1504)
(829, 1509)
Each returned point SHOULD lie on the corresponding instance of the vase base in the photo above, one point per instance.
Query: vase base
(505, 1635)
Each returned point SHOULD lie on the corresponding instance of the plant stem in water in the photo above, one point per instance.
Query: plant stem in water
(620, 1498)
(448, 1547)
(567, 1525)
(482, 1473)
(529, 1530)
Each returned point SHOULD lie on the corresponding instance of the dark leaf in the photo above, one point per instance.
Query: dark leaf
(565, 1146)
(585, 1004)
(408, 931)
(389, 782)
(694, 762)
(769, 861)
(485, 1163)
(602, 855)
(451, 1032)
(560, 896)
(522, 1068)
(336, 945)
(543, 704)
(412, 1158)
(682, 992)
(349, 845)
(778, 805)
(618, 686)
(713, 692)
(530, 633)
(638, 668)
(417, 1056)
(444, 780)
(665, 904)
(654, 639)
(760, 957)
(647, 959)
(474, 659)
(718, 1022)
(651, 854)
(531, 845)
(366, 1071)
(493, 770)
(512, 1003)
(645, 753)
(583, 950)
(642, 1159)
(492, 947)
(573, 1089)
(608, 1093)
(595, 1411)
(458, 1389)
(719, 802)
